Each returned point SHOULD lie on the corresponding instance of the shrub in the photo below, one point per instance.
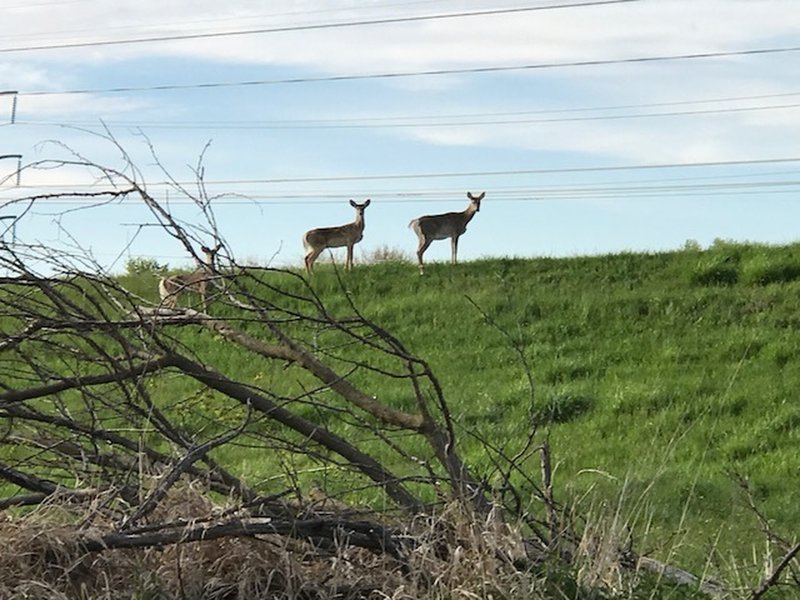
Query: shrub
(766, 269)
(386, 254)
(692, 246)
(719, 265)
(731, 250)
(715, 271)
(140, 265)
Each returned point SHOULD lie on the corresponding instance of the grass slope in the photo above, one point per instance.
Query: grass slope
(657, 376)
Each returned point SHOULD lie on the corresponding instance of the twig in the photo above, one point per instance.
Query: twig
(191, 457)
(776, 573)
(364, 534)
(547, 491)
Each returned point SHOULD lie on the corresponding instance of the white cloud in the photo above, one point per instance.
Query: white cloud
(604, 32)
(665, 26)
(94, 106)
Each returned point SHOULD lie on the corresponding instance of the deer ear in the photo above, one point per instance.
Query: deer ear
(352, 203)
(205, 248)
(366, 204)
(481, 196)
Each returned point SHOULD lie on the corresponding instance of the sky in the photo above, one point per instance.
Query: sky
(593, 127)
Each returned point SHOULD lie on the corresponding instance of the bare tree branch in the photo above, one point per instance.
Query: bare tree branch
(179, 469)
(773, 577)
(361, 461)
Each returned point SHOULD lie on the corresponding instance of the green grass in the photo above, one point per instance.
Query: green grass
(657, 376)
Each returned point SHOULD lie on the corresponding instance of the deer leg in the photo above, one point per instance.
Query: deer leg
(349, 263)
(453, 249)
(203, 290)
(171, 301)
(310, 258)
(423, 245)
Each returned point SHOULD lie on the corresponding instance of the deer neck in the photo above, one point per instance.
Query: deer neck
(358, 224)
(469, 213)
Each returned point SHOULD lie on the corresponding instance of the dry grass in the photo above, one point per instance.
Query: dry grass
(452, 554)
(455, 557)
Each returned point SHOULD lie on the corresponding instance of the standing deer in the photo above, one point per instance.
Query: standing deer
(316, 240)
(440, 227)
(169, 288)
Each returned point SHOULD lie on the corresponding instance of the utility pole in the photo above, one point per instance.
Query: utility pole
(13, 94)
(13, 219)
(18, 157)
(19, 163)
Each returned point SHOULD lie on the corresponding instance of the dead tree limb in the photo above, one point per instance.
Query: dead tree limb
(773, 577)
(179, 469)
(72, 383)
(361, 534)
(443, 444)
(361, 461)
(294, 353)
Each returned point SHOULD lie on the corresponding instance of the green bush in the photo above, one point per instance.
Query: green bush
(715, 271)
(139, 265)
(765, 269)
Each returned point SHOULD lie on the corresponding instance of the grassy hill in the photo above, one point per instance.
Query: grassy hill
(666, 383)
(660, 379)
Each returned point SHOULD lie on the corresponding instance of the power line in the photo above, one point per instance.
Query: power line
(291, 28)
(517, 195)
(354, 124)
(543, 111)
(183, 23)
(425, 73)
(429, 120)
(439, 192)
(631, 190)
(467, 174)
(518, 172)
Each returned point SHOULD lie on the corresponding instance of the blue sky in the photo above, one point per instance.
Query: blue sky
(560, 150)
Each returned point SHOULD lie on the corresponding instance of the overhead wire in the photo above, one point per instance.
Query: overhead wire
(431, 117)
(210, 183)
(216, 18)
(351, 124)
(495, 122)
(310, 27)
(420, 73)
(641, 189)
(464, 174)
(519, 195)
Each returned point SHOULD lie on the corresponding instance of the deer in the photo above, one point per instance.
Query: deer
(317, 240)
(440, 227)
(169, 288)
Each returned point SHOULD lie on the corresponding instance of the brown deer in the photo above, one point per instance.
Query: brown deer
(169, 288)
(317, 240)
(440, 227)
